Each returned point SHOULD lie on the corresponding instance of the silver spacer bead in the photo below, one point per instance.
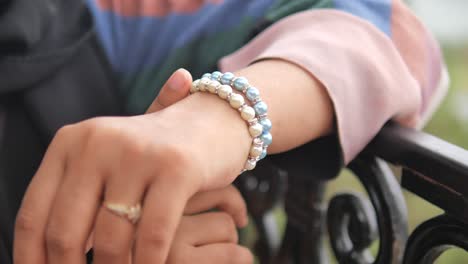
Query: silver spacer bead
(258, 99)
(253, 121)
(263, 116)
(258, 142)
(256, 159)
(204, 82)
(232, 81)
(242, 107)
(214, 85)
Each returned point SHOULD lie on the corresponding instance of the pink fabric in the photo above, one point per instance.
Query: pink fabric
(370, 78)
(418, 49)
(156, 8)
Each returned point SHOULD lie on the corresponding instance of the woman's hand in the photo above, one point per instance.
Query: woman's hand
(208, 238)
(159, 160)
(211, 237)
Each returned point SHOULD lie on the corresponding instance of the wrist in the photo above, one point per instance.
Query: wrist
(212, 129)
(299, 105)
(247, 100)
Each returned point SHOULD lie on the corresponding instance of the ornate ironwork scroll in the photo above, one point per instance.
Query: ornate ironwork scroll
(353, 225)
(435, 236)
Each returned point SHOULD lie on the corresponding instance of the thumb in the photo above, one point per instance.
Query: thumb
(174, 90)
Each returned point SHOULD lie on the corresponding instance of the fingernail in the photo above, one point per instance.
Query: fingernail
(177, 80)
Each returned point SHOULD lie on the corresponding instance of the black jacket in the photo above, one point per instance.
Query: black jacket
(52, 73)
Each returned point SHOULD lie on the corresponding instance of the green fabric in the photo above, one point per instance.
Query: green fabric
(284, 8)
(199, 56)
(202, 55)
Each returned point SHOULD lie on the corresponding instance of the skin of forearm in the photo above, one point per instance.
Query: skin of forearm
(299, 108)
(199, 143)
(299, 105)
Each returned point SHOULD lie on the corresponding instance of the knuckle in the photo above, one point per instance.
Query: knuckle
(157, 237)
(226, 221)
(58, 241)
(102, 133)
(133, 149)
(182, 157)
(175, 152)
(106, 132)
(25, 222)
(235, 201)
(65, 132)
(98, 129)
(227, 226)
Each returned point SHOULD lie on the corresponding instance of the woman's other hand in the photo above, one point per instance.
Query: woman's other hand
(159, 160)
(211, 237)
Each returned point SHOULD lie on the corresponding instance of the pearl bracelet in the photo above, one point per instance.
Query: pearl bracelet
(256, 115)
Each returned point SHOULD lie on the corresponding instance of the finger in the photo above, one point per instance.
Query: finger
(207, 228)
(227, 199)
(115, 235)
(222, 253)
(163, 206)
(174, 90)
(31, 221)
(73, 213)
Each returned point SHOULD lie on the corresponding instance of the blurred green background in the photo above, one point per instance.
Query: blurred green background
(447, 20)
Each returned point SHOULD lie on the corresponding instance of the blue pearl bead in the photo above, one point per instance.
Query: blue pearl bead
(241, 83)
(206, 75)
(227, 78)
(267, 138)
(216, 75)
(261, 108)
(263, 155)
(266, 123)
(252, 93)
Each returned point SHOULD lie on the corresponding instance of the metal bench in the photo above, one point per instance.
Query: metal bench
(431, 168)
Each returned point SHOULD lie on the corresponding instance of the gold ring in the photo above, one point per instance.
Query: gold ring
(131, 213)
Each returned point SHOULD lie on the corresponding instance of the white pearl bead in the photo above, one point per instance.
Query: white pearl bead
(255, 152)
(247, 113)
(204, 84)
(236, 100)
(224, 91)
(213, 86)
(194, 87)
(250, 164)
(256, 130)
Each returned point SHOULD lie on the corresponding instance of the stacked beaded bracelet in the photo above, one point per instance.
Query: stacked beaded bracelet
(255, 114)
